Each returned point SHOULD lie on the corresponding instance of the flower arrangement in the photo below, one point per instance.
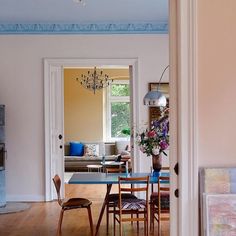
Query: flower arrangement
(155, 140)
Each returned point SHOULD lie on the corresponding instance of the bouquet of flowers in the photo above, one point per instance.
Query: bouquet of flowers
(155, 140)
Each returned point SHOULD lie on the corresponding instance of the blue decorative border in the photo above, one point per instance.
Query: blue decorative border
(91, 28)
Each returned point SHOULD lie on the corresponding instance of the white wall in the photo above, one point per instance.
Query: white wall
(21, 90)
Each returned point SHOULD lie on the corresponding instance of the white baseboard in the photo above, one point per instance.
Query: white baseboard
(25, 198)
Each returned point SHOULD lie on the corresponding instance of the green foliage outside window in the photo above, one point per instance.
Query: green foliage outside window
(120, 118)
(120, 90)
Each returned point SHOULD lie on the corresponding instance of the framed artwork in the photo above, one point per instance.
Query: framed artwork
(155, 112)
(219, 214)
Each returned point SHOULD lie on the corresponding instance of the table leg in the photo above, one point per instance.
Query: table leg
(103, 208)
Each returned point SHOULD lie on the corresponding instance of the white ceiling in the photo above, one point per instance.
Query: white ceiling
(68, 11)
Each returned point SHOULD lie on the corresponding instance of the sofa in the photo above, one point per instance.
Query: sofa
(78, 163)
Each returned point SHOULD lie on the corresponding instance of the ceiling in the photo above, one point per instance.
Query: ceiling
(131, 13)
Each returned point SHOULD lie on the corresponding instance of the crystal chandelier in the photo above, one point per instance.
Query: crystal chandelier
(95, 80)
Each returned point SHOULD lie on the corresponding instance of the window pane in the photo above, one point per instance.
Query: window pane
(120, 90)
(120, 118)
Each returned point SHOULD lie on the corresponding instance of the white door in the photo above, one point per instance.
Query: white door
(54, 127)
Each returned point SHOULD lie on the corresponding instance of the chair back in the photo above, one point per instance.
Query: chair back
(57, 183)
(163, 194)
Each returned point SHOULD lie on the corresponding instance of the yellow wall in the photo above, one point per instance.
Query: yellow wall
(83, 110)
(217, 82)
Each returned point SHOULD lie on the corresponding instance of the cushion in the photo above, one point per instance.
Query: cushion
(91, 149)
(165, 200)
(76, 149)
(122, 146)
(133, 204)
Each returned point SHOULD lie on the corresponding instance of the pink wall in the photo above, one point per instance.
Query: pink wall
(217, 82)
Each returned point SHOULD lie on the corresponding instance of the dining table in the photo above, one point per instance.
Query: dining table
(108, 179)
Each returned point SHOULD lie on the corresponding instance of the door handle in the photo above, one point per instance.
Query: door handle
(176, 193)
(176, 168)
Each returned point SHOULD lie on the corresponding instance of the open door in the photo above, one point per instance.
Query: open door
(54, 161)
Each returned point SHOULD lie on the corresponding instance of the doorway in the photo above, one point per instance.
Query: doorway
(54, 111)
(96, 117)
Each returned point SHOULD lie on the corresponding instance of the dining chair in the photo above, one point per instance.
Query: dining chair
(70, 204)
(160, 203)
(132, 206)
(114, 197)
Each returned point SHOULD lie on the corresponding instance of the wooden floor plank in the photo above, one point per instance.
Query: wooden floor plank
(41, 219)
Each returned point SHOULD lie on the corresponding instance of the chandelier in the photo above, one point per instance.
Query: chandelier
(95, 80)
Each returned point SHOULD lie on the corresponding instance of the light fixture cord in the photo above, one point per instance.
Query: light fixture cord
(159, 83)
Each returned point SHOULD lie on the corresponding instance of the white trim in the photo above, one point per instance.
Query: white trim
(173, 102)
(109, 100)
(25, 198)
(47, 130)
(187, 117)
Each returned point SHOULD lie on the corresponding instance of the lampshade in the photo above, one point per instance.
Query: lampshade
(156, 98)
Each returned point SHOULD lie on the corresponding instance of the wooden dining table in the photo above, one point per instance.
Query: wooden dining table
(109, 179)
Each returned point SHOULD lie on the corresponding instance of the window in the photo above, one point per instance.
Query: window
(118, 110)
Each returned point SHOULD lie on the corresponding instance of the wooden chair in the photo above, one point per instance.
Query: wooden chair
(114, 197)
(160, 203)
(71, 203)
(132, 206)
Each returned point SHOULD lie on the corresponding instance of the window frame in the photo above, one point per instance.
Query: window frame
(109, 100)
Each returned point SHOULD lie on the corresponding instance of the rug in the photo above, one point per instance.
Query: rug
(12, 207)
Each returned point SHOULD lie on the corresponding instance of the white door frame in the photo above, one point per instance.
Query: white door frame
(183, 76)
(183, 122)
(51, 167)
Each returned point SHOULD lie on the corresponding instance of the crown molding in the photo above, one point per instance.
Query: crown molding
(91, 28)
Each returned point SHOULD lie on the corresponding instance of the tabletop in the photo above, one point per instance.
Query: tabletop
(104, 178)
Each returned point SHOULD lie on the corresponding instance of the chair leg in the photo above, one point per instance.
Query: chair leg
(151, 218)
(120, 227)
(137, 215)
(159, 226)
(114, 221)
(60, 222)
(147, 223)
(107, 213)
(90, 219)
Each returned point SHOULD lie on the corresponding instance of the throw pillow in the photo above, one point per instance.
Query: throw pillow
(76, 149)
(122, 146)
(91, 149)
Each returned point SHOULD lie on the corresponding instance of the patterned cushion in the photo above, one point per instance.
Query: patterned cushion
(91, 149)
(133, 204)
(165, 200)
(114, 197)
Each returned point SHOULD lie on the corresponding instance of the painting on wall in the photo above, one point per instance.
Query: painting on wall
(155, 112)
(219, 216)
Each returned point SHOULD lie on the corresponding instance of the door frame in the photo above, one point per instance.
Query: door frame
(60, 64)
(183, 115)
(184, 88)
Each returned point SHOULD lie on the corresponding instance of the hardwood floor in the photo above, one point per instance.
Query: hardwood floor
(41, 219)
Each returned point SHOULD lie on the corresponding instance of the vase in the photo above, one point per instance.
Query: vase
(156, 164)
